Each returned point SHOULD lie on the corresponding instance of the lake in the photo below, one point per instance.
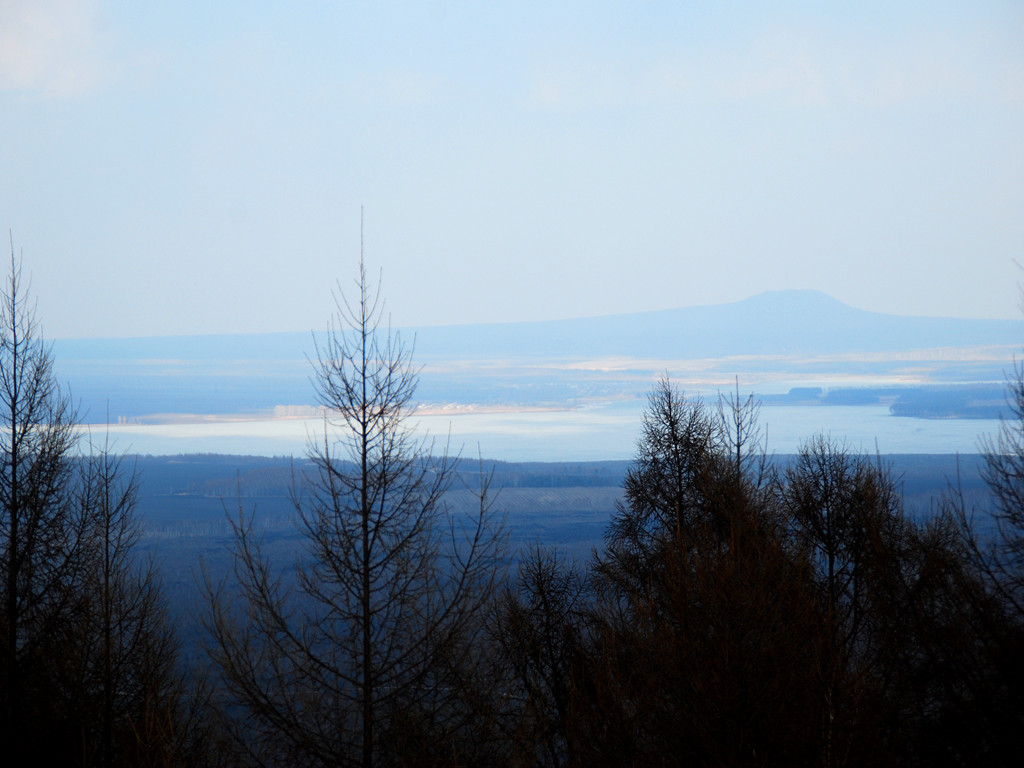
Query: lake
(597, 432)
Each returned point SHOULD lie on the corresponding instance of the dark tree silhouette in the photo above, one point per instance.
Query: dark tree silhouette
(1004, 474)
(913, 647)
(364, 655)
(44, 534)
(89, 660)
(120, 652)
(846, 519)
(704, 626)
(991, 701)
(740, 617)
(666, 489)
(537, 631)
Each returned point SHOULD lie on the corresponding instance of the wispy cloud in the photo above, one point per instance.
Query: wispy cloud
(52, 48)
(792, 66)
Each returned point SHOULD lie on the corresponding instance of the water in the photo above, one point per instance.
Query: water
(598, 432)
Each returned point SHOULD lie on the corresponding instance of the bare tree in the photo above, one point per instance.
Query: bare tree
(741, 434)
(43, 533)
(1004, 474)
(666, 488)
(121, 653)
(538, 631)
(992, 542)
(89, 659)
(846, 516)
(365, 647)
(845, 510)
(703, 626)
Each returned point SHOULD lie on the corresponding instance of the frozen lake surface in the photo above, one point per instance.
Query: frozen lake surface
(595, 432)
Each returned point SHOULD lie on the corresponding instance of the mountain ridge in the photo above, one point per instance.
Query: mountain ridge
(772, 322)
(796, 332)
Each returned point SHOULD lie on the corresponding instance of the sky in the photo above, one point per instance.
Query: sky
(200, 167)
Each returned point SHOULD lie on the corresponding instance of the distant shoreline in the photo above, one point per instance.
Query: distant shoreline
(286, 413)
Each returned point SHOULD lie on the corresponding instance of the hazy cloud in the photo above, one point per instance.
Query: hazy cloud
(796, 67)
(50, 47)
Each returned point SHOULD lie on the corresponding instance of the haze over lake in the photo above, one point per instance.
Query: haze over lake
(596, 432)
(575, 390)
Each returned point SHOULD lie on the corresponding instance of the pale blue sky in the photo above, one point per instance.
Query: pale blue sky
(198, 167)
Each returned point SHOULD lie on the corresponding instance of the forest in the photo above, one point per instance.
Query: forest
(736, 608)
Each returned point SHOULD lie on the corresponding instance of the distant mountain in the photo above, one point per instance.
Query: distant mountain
(247, 373)
(802, 322)
(776, 322)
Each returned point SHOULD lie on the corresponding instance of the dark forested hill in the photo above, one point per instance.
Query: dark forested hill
(184, 504)
(184, 500)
